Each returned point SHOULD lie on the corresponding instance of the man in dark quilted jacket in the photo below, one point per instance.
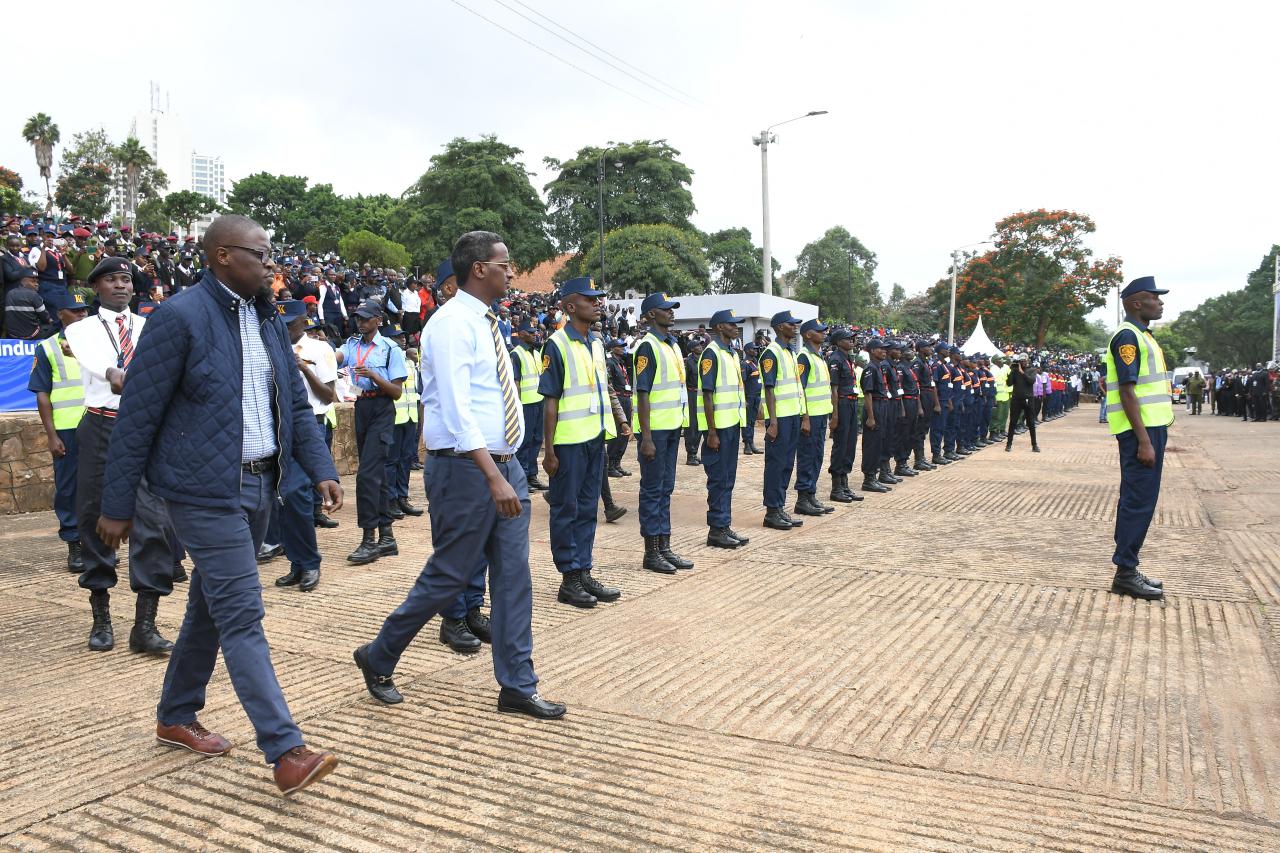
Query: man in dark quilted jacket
(213, 404)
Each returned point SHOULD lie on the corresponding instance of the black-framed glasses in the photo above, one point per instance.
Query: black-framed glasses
(263, 255)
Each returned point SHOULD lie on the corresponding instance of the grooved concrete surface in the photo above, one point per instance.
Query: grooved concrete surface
(940, 668)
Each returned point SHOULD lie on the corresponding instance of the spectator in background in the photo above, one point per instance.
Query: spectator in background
(24, 313)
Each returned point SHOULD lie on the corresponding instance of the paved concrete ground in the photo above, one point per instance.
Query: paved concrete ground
(940, 668)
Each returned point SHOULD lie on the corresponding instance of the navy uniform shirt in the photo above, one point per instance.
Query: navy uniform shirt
(942, 379)
(890, 376)
(750, 377)
(924, 372)
(41, 378)
(647, 361)
(843, 375)
(1127, 371)
(873, 382)
(551, 384)
(910, 385)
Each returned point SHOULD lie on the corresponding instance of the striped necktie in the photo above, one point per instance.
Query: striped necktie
(126, 342)
(511, 413)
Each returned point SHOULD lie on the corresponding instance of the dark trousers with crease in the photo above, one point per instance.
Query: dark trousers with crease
(780, 460)
(375, 432)
(844, 438)
(574, 498)
(721, 466)
(658, 481)
(65, 471)
(1139, 492)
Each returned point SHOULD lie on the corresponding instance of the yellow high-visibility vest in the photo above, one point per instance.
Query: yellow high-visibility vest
(1154, 389)
(583, 411)
(728, 400)
(668, 398)
(1003, 390)
(530, 371)
(407, 405)
(67, 394)
(817, 384)
(786, 386)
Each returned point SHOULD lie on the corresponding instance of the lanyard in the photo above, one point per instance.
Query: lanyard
(360, 359)
(111, 337)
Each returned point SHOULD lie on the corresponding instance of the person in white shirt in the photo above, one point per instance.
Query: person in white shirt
(104, 346)
(476, 489)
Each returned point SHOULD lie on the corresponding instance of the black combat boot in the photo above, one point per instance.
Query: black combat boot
(805, 505)
(840, 489)
(599, 590)
(775, 518)
(903, 470)
(664, 548)
(101, 637)
(367, 551)
(319, 519)
(387, 546)
(939, 459)
(718, 537)
(479, 625)
(573, 592)
(408, 508)
(871, 484)
(742, 540)
(653, 559)
(455, 634)
(1131, 582)
(613, 512)
(144, 637)
(75, 558)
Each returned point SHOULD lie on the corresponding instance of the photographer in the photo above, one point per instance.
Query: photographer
(1022, 380)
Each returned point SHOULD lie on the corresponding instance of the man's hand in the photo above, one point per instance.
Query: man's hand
(551, 464)
(771, 434)
(330, 495)
(835, 422)
(647, 449)
(919, 411)
(1147, 454)
(365, 372)
(56, 448)
(113, 531)
(115, 377)
(869, 423)
(948, 405)
(804, 425)
(505, 497)
(937, 410)
(713, 441)
(624, 429)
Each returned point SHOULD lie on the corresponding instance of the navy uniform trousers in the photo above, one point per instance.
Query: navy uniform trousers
(952, 431)
(375, 432)
(224, 610)
(658, 481)
(889, 429)
(809, 452)
(528, 452)
(780, 460)
(753, 411)
(873, 440)
(1139, 491)
(65, 471)
(722, 473)
(904, 436)
(296, 517)
(844, 438)
(938, 428)
(467, 531)
(574, 496)
(404, 446)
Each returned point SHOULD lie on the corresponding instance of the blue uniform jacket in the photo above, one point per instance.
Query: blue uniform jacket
(180, 415)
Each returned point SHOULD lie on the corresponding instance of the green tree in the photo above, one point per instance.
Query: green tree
(365, 247)
(735, 261)
(151, 216)
(10, 179)
(133, 161)
(915, 314)
(10, 199)
(649, 258)
(320, 208)
(186, 206)
(474, 185)
(837, 273)
(92, 146)
(42, 134)
(644, 184)
(85, 191)
(268, 199)
(374, 213)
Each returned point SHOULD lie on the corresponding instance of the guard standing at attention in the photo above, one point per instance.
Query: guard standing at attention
(820, 399)
(620, 384)
(378, 373)
(941, 367)
(877, 406)
(844, 419)
(577, 420)
(750, 387)
(661, 411)
(722, 413)
(527, 365)
(692, 438)
(784, 403)
(1139, 411)
(929, 407)
(911, 411)
(889, 441)
(55, 380)
(404, 442)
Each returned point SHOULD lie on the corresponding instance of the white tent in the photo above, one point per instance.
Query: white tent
(979, 342)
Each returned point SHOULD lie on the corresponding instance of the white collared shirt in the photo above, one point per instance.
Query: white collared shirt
(324, 364)
(462, 406)
(95, 343)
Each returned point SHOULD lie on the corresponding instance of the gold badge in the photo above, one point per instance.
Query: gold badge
(800, 368)
(546, 362)
(1128, 352)
(767, 364)
(706, 366)
(641, 363)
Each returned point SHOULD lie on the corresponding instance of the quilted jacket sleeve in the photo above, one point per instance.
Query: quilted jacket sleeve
(154, 374)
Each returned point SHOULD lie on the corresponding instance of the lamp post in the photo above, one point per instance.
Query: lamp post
(600, 206)
(955, 263)
(763, 141)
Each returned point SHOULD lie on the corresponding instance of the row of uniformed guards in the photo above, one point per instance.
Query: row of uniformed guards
(722, 416)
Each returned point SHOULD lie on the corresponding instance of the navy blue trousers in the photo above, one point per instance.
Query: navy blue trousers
(64, 487)
(753, 410)
(404, 441)
(296, 517)
(467, 531)
(316, 498)
(722, 473)
(809, 453)
(1139, 491)
(375, 434)
(938, 429)
(779, 460)
(574, 497)
(658, 481)
(528, 452)
(844, 438)
(224, 610)
(874, 439)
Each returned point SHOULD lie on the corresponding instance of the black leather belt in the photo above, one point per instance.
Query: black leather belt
(454, 454)
(259, 466)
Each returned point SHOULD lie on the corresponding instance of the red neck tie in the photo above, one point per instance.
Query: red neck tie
(126, 342)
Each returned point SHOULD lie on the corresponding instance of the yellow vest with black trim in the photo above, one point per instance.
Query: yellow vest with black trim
(67, 394)
(728, 400)
(407, 405)
(1153, 389)
(786, 386)
(668, 398)
(584, 408)
(331, 416)
(816, 381)
(530, 370)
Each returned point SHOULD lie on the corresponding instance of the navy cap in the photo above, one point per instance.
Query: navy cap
(31, 272)
(313, 322)
(527, 326)
(893, 343)
(368, 309)
(1146, 284)
(291, 309)
(391, 330)
(445, 270)
(751, 348)
(841, 334)
(616, 342)
(725, 316)
(812, 326)
(875, 343)
(583, 286)
(923, 342)
(109, 265)
(658, 300)
(783, 317)
(73, 302)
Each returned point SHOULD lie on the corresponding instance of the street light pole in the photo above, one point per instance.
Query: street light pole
(763, 141)
(955, 264)
(600, 209)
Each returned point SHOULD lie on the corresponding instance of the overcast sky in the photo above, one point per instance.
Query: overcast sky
(1157, 119)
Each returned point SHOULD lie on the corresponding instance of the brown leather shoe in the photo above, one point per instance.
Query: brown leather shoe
(299, 767)
(194, 737)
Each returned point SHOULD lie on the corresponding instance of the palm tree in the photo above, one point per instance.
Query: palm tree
(43, 134)
(133, 159)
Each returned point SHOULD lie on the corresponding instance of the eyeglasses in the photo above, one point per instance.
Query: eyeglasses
(263, 255)
(507, 264)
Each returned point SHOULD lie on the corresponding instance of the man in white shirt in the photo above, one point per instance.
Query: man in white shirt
(104, 346)
(476, 489)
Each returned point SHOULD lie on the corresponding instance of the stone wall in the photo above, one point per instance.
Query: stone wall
(26, 469)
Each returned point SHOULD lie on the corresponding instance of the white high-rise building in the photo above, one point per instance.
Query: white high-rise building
(209, 177)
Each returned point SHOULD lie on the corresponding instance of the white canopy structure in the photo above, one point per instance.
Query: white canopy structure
(979, 341)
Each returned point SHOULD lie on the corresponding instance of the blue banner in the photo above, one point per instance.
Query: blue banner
(15, 369)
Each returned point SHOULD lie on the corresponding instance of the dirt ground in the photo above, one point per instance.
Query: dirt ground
(940, 668)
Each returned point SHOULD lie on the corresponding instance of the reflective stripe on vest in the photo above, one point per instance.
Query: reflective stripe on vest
(817, 392)
(1153, 390)
(584, 403)
(530, 370)
(668, 398)
(728, 401)
(331, 416)
(66, 397)
(786, 386)
(1003, 391)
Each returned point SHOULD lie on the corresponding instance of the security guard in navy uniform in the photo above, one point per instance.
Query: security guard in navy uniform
(928, 403)
(378, 374)
(940, 365)
(844, 420)
(751, 387)
(889, 441)
(722, 413)
(404, 440)
(911, 410)
(878, 409)
(692, 438)
(526, 366)
(1139, 410)
(619, 368)
(785, 408)
(820, 402)
(952, 447)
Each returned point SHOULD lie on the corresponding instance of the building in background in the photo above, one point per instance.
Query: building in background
(209, 178)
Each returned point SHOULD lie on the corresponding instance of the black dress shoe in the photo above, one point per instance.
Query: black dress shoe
(718, 537)
(380, 687)
(1130, 583)
(536, 484)
(408, 508)
(510, 702)
(615, 473)
(322, 520)
(479, 625)
(267, 553)
(455, 634)
(310, 580)
(292, 579)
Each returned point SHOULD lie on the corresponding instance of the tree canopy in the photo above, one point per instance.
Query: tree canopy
(364, 247)
(735, 262)
(186, 206)
(647, 259)
(268, 200)
(837, 273)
